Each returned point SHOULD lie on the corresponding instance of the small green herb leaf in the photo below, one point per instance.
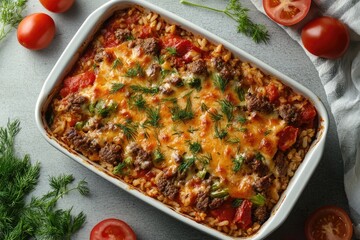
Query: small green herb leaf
(171, 50)
(129, 129)
(146, 90)
(220, 82)
(258, 199)
(116, 87)
(136, 71)
(117, 62)
(227, 108)
(237, 162)
(185, 114)
(186, 164)
(195, 147)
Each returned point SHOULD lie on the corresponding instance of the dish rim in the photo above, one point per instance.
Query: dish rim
(85, 34)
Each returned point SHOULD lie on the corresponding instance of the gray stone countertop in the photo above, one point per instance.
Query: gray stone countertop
(23, 72)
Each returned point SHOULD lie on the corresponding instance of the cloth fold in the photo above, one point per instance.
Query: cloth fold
(341, 81)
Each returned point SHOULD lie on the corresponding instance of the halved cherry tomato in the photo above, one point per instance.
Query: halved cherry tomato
(287, 137)
(74, 83)
(287, 12)
(308, 113)
(36, 31)
(243, 214)
(57, 6)
(181, 45)
(329, 222)
(325, 37)
(112, 229)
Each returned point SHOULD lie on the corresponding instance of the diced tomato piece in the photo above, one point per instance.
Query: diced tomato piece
(224, 212)
(272, 92)
(308, 113)
(287, 137)
(74, 83)
(145, 32)
(181, 45)
(243, 214)
(110, 39)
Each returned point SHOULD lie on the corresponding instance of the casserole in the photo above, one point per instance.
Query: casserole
(78, 44)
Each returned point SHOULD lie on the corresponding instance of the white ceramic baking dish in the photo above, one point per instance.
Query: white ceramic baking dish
(85, 34)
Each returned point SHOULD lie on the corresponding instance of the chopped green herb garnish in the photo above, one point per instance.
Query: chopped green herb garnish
(240, 93)
(129, 129)
(233, 140)
(160, 59)
(116, 87)
(176, 131)
(79, 125)
(241, 119)
(129, 38)
(220, 82)
(221, 193)
(237, 162)
(227, 108)
(116, 63)
(195, 83)
(195, 147)
(119, 169)
(238, 13)
(158, 156)
(146, 90)
(236, 202)
(215, 116)
(202, 173)
(204, 108)
(153, 117)
(259, 156)
(139, 102)
(186, 164)
(220, 133)
(267, 132)
(192, 129)
(105, 110)
(171, 50)
(185, 114)
(164, 72)
(136, 71)
(258, 199)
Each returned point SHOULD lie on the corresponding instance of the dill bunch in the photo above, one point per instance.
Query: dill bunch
(10, 15)
(235, 11)
(39, 219)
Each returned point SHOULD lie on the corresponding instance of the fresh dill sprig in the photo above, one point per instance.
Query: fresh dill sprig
(220, 133)
(116, 87)
(241, 119)
(129, 129)
(146, 90)
(215, 116)
(153, 117)
(10, 15)
(220, 82)
(233, 140)
(136, 71)
(103, 109)
(192, 129)
(205, 158)
(38, 219)
(227, 108)
(235, 11)
(158, 156)
(185, 114)
(194, 147)
(204, 107)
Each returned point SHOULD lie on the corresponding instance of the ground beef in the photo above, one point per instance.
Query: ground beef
(259, 104)
(258, 166)
(289, 113)
(167, 187)
(197, 67)
(76, 102)
(99, 55)
(202, 200)
(143, 159)
(176, 81)
(153, 71)
(261, 214)
(263, 183)
(111, 153)
(216, 202)
(123, 34)
(166, 89)
(151, 46)
(281, 163)
(81, 142)
(225, 70)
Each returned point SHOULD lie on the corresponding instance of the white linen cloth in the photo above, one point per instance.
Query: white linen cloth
(341, 81)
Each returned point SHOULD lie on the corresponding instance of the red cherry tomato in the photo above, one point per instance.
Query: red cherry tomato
(57, 6)
(36, 31)
(308, 113)
(328, 222)
(325, 37)
(287, 12)
(112, 229)
(287, 137)
(272, 92)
